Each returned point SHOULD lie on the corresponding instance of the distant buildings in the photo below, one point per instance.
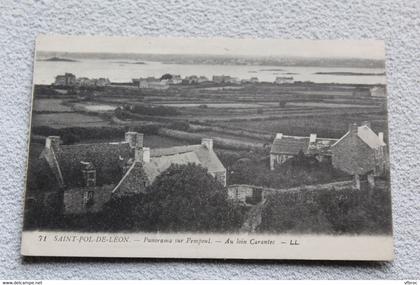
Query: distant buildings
(283, 80)
(153, 83)
(193, 79)
(202, 79)
(176, 79)
(70, 80)
(88, 175)
(378, 91)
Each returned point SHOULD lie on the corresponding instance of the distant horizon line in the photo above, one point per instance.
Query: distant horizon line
(213, 55)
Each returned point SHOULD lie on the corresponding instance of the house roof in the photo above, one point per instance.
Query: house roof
(369, 137)
(321, 146)
(159, 164)
(290, 145)
(106, 158)
(173, 150)
(162, 158)
(132, 181)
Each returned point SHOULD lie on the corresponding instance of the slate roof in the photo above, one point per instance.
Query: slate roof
(173, 150)
(162, 158)
(106, 158)
(367, 136)
(159, 164)
(133, 182)
(290, 145)
(321, 146)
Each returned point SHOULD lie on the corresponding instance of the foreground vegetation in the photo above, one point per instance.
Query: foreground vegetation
(327, 211)
(183, 198)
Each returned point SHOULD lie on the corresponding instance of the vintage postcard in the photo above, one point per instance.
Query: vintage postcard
(208, 148)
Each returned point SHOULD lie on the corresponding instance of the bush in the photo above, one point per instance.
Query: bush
(154, 110)
(329, 211)
(182, 198)
(180, 125)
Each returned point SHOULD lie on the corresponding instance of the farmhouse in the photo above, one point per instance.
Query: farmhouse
(360, 152)
(90, 174)
(286, 147)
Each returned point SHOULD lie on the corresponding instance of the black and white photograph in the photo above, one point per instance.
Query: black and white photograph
(208, 148)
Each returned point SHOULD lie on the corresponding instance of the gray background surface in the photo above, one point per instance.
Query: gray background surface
(397, 22)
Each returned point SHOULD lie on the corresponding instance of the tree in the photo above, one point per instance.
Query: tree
(187, 198)
(166, 76)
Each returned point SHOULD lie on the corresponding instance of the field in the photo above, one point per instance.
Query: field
(62, 120)
(250, 114)
(50, 105)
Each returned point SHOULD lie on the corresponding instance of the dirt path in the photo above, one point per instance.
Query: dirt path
(253, 218)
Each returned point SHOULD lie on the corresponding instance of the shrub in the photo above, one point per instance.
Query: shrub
(180, 125)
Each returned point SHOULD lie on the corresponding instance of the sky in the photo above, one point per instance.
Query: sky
(364, 49)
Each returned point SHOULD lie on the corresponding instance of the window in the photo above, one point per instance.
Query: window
(88, 198)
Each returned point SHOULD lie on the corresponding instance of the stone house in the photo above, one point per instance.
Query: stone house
(286, 147)
(90, 174)
(360, 152)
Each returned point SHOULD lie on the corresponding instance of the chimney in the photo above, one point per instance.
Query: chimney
(134, 139)
(279, 136)
(52, 142)
(208, 143)
(366, 123)
(353, 128)
(312, 138)
(142, 155)
(381, 137)
(146, 155)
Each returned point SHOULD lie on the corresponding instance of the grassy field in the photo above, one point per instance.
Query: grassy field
(50, 105)
(333, 126)
(68, 119)
(292, 109)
